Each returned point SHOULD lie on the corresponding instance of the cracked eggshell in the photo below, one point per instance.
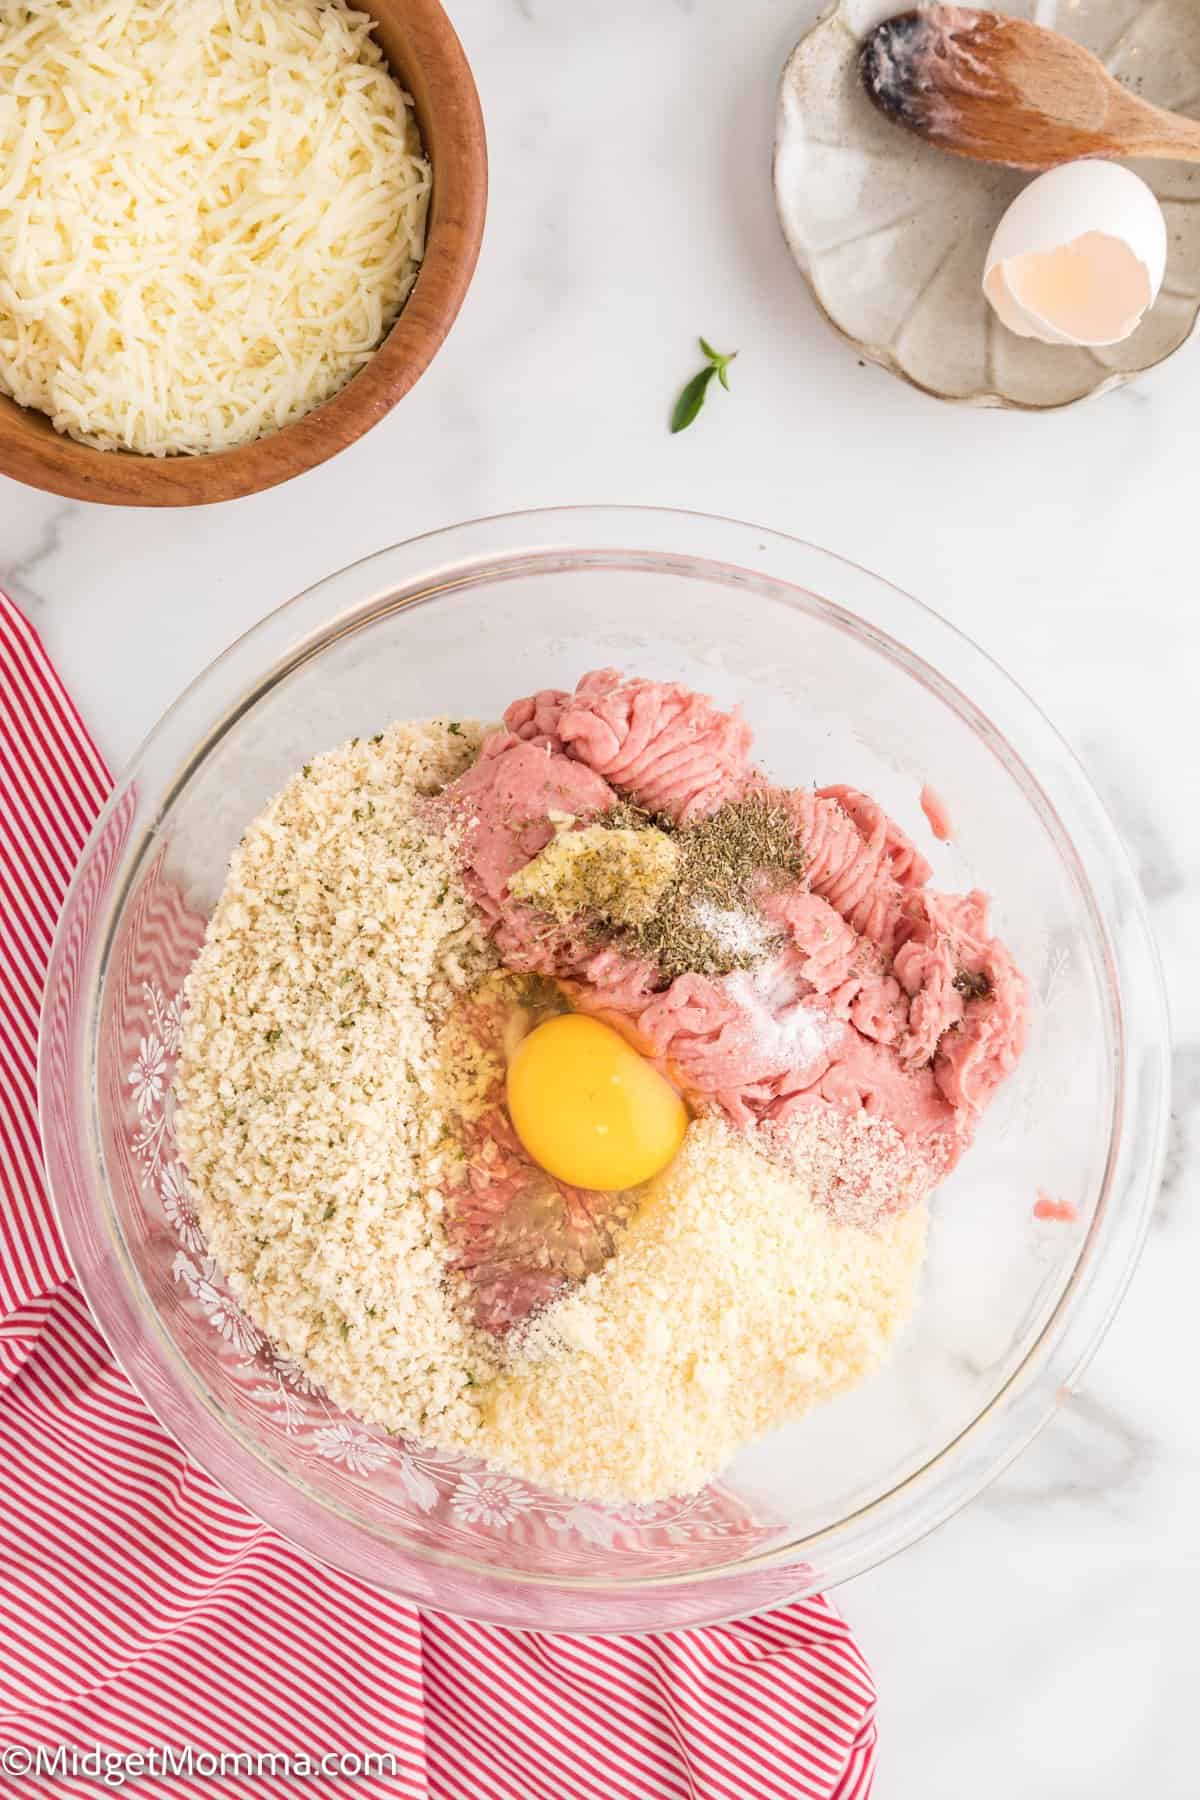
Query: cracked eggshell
(1079, 257)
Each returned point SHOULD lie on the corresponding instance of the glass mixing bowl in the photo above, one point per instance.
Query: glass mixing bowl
(843, 679)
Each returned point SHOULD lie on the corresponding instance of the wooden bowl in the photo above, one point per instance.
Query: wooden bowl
(427, 59)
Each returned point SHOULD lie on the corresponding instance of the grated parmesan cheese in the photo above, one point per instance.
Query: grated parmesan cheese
(211, 211)
(736, 1300)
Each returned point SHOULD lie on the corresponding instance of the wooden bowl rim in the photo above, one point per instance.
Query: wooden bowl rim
(34, 453)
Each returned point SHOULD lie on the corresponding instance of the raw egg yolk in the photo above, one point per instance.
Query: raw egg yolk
(589, 1109)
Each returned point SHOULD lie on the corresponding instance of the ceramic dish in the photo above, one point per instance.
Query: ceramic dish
(427, 58)
(891, 234)
(839, 675)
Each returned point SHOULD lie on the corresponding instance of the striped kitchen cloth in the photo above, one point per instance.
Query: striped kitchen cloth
(141, 1607)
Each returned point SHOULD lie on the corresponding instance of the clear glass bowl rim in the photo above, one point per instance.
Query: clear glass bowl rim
(933, 652)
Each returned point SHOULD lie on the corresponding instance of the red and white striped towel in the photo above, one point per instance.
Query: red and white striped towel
(141, 1607)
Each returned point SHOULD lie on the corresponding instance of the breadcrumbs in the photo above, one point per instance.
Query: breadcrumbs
(308, 1114)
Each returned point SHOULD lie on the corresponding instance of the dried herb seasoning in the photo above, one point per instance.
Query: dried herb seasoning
(972, 986)
(720, 859)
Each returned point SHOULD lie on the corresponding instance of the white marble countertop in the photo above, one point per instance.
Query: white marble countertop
(1043, 1643)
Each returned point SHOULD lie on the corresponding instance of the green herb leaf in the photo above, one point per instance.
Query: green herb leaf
(692, 398)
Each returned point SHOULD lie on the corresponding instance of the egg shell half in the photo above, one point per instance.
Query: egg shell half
(1056, 210)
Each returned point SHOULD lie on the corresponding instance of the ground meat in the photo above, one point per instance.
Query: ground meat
(506, 800)
(867, 1002)
(667, 747)
(881, 996)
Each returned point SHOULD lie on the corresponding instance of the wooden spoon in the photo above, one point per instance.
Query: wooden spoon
(1002, 90)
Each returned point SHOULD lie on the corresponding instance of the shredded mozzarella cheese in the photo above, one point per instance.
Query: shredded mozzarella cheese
(211, 212)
